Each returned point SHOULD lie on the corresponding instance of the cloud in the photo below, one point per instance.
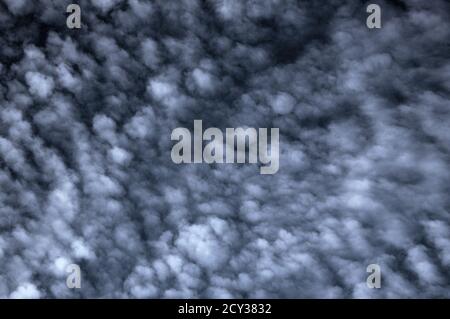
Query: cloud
(86, 175)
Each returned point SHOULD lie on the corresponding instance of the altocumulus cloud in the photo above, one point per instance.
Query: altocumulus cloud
(85, 169)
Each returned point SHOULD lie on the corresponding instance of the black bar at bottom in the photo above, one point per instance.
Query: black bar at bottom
(226, 308)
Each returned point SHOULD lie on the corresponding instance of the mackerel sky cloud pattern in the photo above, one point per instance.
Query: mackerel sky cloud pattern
(86, 175)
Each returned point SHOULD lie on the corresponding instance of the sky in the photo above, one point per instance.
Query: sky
(86, 175)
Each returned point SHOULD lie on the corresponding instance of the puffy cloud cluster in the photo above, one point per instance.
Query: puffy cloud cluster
(86, 175)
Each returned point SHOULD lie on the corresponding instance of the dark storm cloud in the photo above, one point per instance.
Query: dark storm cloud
(86, 175)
